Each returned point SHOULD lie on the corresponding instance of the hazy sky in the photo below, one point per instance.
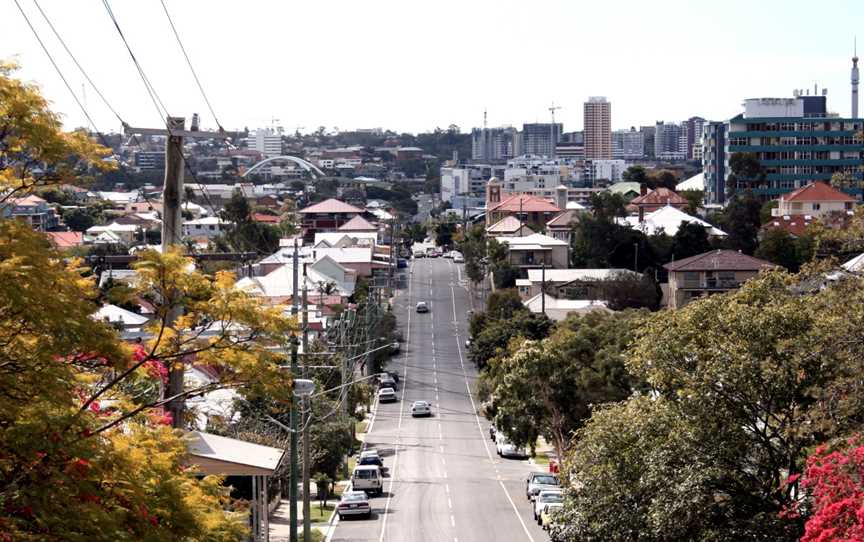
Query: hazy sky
(412, 66)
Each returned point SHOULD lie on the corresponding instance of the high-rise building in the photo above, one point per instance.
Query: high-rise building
(266, 141)
(692, 132)
(494, 144)
(714, 161)
(648, 133)
(540, 139)
(628, 144)
(797, 142)
(598, 128)
(668, 141)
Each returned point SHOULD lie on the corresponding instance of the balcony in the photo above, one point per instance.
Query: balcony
(710, 284)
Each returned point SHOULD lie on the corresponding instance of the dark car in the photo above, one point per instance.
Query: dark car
(401, 264)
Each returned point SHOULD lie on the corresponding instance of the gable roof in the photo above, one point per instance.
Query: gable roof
(508, 224)
(696, 182)
(113, 313)
(331, 205)
(65, 239)
(660, 196)
(213, 454)
(27, 201)
(265, 219)
(667, 219)
(817, 191)
(624, 187)
(564, 220)
(358, 223)
(720, 260)
(525, 203)
(795, 225)
(534, 241)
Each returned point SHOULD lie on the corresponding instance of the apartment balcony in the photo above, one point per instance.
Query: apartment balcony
(710, 284)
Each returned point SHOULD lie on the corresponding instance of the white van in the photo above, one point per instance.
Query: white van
(367, 478)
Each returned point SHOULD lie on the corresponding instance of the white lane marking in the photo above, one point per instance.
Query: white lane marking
(399, 427)
(444, 461)
(452, 521)
(447, 488)
(449, 503)
(479, 425)
(442, 449)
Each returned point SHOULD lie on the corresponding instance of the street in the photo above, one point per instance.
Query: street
(445, 480)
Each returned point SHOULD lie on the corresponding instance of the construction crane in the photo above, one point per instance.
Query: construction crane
(552, 142)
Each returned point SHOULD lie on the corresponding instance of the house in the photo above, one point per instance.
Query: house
(569, 283)
(794, 225)
(667, 220)
(817, 199)
(358, 224)
(344, 239)
(627, 190)
(696, 182)
(120, 317)
(208, 226)
(535, 250)
(327, 215)
(35, 211)
(327, 282)
(561, 227)
(652, 200)
(64, 240)
(559, 309)
(262, 218)
(533, 211)
(710, 273)
(509, 226)
(113, 232)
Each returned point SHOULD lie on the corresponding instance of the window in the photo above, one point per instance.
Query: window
(816, 206)
(212, 227)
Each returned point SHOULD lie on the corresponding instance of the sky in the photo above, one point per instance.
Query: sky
(412, 66)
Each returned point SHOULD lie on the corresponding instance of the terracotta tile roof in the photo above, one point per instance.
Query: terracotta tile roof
(817, 191)
(65, 239)
(508, 224)
(526, 204)
(795, 225)
(565, 220)
(719, 260)
(658, 197)
(331, 205)
(28, 200)
(265, 219)
(358, 223)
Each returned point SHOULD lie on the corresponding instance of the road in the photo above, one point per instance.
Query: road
(445, 482)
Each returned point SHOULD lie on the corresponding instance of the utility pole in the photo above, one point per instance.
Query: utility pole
(636, 257)
(543, 289)
(292, 492)
(307, 408)
(172, 227)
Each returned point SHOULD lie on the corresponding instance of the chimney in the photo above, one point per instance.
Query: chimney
(643, 189)
(561, 197)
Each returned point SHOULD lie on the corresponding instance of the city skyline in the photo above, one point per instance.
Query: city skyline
(258, 64)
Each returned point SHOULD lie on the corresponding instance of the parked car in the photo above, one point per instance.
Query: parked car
(387, 395)
(545, 497)
(421, 408)
(508, 449)
(548, 514)
(419, 253)
(354, 503)
(394, 375)
(370, 457)
(540, 481)
(401, 264)
(433, 254)
(422, 307)
(387, 381)
(458, 258)
(448, 254)
(367, 478)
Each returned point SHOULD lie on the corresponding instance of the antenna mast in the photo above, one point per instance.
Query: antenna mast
(552, 141)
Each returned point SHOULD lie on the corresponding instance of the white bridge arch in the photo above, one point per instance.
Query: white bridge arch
(312, 168)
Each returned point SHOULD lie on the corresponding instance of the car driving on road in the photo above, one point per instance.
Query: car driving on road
(387, 395)
(506, 448)
(387, 381)
(370, 457)
(540, 481)
(367, 478)
(422, 307)
(421, 408)
(545, 497)
(354, 503)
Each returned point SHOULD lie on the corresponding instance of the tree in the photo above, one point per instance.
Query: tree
(444, 233)
(777, 246)
(835, 480)
(505, 317)
(629, 291)
(79, 219)
(741, 386)
(690, 239)
(662, 178)
(694, 200)
(547, 387)
(741, 220)
(745, 168)
(635, 174)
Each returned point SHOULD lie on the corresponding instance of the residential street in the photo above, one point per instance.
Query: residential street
(445, 480)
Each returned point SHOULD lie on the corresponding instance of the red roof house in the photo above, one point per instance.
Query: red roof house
(534, 211)
(817, 199)
(657, 199)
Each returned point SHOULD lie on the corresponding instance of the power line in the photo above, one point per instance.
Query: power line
(154, 96)
(57, 68)
(189, 63)
(75, 60)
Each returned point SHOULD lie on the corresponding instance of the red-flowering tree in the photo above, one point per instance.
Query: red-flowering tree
(835, 478)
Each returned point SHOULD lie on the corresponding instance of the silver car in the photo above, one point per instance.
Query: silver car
(354, 503)
(545, 497)
(540, 481)
(421, 408)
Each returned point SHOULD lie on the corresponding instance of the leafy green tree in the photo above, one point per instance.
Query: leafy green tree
(741, 220)
(635, 174)
(662, 178)
(444, 233)
(79, 219)
(745, 168)
(628, 291)
(548, 387)
(694, 200)
(777, 246)
(690, 239)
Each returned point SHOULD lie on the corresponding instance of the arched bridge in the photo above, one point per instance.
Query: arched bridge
(312, 168)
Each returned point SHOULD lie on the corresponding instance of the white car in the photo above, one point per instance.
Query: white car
(544, 498)
(540, 481)
(506, 448)
(421, 408)
(354, 503)
(422, 306)
(458, 258)
(387, 395)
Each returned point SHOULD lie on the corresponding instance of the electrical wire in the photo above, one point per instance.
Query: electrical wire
(57, 68)
(78, 64)
(189, 63)
(154, 96)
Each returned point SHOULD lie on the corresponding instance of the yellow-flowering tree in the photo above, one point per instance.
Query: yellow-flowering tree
(84, 450)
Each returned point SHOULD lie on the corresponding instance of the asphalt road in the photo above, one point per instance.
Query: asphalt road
(445, 482)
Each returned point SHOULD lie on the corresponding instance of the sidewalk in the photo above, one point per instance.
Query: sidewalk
(280, 519)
